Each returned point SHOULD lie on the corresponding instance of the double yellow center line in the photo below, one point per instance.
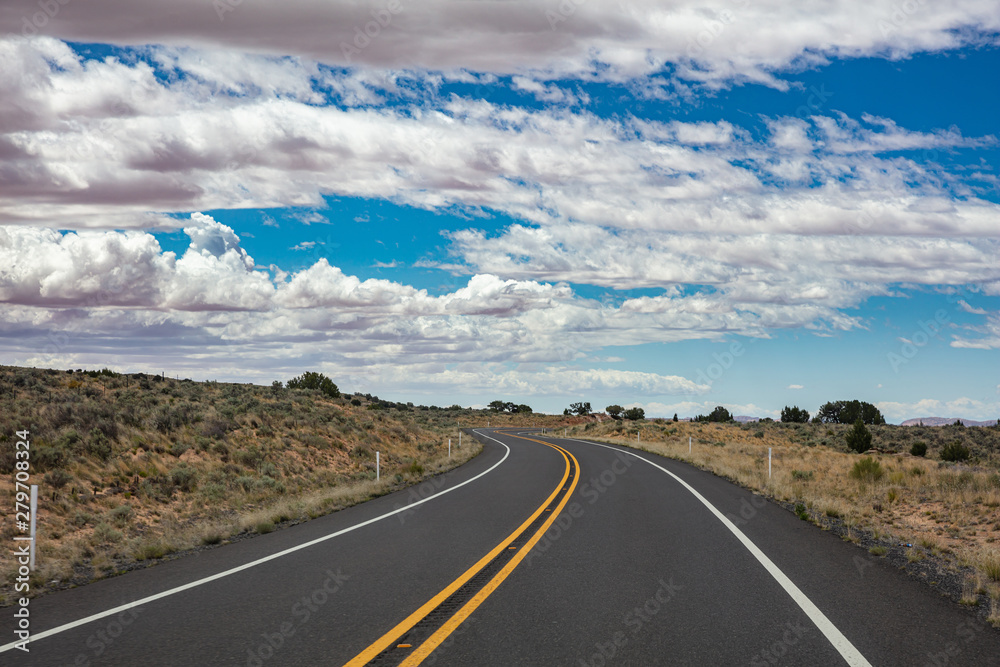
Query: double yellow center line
(396, 647)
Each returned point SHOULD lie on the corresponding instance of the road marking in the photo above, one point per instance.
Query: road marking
(422, 651)
(843, 645)
(436, 639)
(246, 566)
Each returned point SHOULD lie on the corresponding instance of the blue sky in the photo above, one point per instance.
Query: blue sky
(538, 202)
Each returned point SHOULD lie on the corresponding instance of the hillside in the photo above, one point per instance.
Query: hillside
(132, 468)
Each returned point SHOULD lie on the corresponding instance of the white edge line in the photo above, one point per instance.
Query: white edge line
(843, 645)
(246, 566)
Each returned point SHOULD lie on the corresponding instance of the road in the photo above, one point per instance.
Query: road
(540, 551)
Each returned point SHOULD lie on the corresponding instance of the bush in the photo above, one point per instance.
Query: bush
(98, 445)
(614, 411)
(794, 414)
(121, 515)
(954, 451)
(315, 381)
(183, 478)
(919, 449)
(860, 438)
(57, 479)
(867, 470)
(634, 414)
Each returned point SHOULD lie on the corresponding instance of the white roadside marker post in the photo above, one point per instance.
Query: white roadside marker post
(449, 448)
(689, 444)
(769, 463)
(34, 513)
(377, 466)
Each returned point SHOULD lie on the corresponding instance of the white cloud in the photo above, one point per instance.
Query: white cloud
(796, 386)
(711, 41)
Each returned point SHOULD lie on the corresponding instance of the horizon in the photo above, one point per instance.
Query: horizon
(670, 208)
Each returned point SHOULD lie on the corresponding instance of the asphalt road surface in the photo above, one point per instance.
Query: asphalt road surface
(541, 551)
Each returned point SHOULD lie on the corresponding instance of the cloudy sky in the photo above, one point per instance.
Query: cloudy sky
(671, 204)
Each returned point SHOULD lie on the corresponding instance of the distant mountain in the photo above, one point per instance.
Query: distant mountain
(743, 419)
(944, 421)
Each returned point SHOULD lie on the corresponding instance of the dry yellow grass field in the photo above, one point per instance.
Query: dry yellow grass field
(947, 511)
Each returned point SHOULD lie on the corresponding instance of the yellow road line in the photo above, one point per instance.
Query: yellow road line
(421, 652)
(387, 639)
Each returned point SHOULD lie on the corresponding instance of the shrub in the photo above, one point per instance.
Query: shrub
(860, 438)
(183, 478)
(919, 448)
(105, 534)
(802, 474)
(265, 526)
(634, 414)
(867, 470)
(98, 445)
(46, 457)
(121, 515)
(614, 411)
(954, 451)
(315, 381)
(801, 512)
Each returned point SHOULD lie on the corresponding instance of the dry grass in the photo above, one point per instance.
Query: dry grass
(950, 510)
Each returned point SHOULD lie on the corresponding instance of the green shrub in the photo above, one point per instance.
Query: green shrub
(954, 451)
(105, 534)
(802, 474)
(265, 527)
(98, 445)
(860, 438)
(867, 470)
(919, 449)
(183, 478)
(801, 512)
(121, 515)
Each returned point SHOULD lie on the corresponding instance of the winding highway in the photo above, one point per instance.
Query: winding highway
(540, 551)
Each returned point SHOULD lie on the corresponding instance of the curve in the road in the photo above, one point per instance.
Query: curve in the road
(219, 575)
(843, 645)
(430, 625)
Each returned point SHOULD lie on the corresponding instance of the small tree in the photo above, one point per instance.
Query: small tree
(795, 414)
(614, 411)
(675, 418)
(919, 449)
(581, 409)
(524, 408)
(315, 381)
(496, 406)
(954, 451)
(719, 414)
(634, 414)
(860, 438)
